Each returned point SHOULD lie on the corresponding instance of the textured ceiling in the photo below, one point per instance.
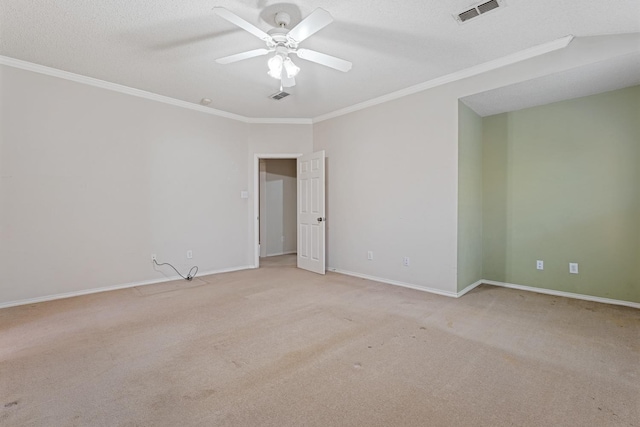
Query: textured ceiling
(168, 47)
(617, 73)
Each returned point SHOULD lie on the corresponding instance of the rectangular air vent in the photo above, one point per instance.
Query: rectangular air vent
(468, 14)
(490, 5)
(479, 9)
(279, 95)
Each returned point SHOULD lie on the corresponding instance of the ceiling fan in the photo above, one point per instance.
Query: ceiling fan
(284, 41)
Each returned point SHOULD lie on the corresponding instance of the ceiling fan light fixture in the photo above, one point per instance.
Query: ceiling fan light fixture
(275, 66)
(284, 41)
(291, 68)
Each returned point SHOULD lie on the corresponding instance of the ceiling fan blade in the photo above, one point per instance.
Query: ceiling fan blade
(324, 59)
(235, 19)
(244, 55)
(317, 20)
(287, 81)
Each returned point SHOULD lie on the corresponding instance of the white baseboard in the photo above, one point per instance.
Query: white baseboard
(490, 282)
(113, 288)
(470, 288)
(335, 270)
(396, 283)
(563, 294)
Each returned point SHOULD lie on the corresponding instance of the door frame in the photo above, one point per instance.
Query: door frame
(256, 196)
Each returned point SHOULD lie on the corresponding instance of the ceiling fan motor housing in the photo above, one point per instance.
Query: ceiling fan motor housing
(282, 19)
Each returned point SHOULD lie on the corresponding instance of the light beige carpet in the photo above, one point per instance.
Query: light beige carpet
(280, 346)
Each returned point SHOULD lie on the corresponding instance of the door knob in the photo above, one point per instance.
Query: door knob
(321, 219)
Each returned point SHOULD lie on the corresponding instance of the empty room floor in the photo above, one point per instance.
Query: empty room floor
(280, 346)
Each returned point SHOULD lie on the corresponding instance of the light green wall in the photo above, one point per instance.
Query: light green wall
(561, 183)
(469, 197)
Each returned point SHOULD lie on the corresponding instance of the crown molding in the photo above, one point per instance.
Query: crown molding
(458, 75)
(276, 121)
(78, 78)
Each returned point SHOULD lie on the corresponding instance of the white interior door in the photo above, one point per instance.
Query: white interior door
(311, 212)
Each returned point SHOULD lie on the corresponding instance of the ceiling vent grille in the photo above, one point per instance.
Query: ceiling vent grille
(478, 10)
(490, 5)
(468, 14)
(279, 95)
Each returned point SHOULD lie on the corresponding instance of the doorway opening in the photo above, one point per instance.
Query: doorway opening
(310, 213)
(278, 236)
(275, 208)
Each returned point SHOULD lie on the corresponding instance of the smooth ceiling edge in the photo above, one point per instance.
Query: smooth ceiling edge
(532, 52)
(78, 78)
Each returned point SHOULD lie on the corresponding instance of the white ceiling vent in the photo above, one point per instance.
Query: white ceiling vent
(279, 95)
(479, 9)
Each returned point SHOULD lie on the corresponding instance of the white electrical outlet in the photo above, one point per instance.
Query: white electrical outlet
(154, 257)
(370, 255)
(573, 267)
(189, 254)
(406, 261)
(540, 265)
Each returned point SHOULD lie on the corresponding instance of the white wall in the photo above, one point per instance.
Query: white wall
(280, 138)
(391, 189)
(93, 182)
